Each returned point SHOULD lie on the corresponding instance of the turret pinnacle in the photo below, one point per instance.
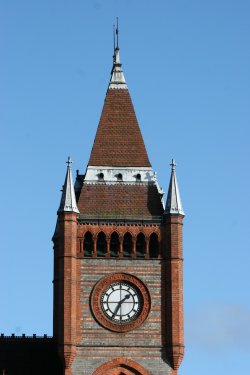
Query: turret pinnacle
(68, 200)
(173, 205)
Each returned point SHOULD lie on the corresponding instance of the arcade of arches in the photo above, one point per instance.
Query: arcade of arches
(115, 245)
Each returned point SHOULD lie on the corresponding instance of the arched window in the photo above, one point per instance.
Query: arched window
(101, 245)
(114, 245)
(153, 246)
(88, 244)
(138, 177)
(101, 176)
(127, 245)
(121, 366)
(119, 177)
(140, 245)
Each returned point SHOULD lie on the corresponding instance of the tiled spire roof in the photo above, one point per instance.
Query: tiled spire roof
(118, 141)
(68, 200)
(173, 205)
(119, 182)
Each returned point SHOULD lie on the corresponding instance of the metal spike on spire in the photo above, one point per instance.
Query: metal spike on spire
(68, 200)
(117, 80)
(114, 42)
(173, 204)
(117, 33)
(173, 165)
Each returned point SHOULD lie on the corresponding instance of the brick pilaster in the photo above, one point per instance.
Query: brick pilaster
(67, 251)
(172, 249)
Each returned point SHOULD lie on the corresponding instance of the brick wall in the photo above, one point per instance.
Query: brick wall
(88, 359)
(96, 344)
(157, 344)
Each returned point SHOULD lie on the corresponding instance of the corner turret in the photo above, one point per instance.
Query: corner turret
(173, 204)
(172, 249)
(68, 200)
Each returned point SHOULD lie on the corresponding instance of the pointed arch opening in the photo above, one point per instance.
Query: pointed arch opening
(153, 246)
(88, 244)
(114, 245)
(127, 245)
(140, 246)
(121, 366)
(101, 245)
(122, 371)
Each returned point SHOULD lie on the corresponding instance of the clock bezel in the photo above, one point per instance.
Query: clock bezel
(100, 288)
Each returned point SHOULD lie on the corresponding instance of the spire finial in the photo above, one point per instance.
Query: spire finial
(69, 162)
(117, 80)
(114, 40)
(117, 33)
(173, 165)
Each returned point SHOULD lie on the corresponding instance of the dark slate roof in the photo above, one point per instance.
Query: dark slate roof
(120, 201)
(29, 356)
(118, 141)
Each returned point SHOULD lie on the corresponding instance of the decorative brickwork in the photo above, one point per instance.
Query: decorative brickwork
(92, 232)
(65, 322)
(96, 302)
(89, 359)
(89, 331)
(174, 290)
(118, 140)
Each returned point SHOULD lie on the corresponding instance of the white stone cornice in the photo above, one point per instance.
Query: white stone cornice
(111, 174)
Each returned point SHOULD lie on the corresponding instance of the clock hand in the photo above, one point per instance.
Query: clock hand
(124, 299)
(119, 304)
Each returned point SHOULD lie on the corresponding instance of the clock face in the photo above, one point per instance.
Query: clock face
(120, 302)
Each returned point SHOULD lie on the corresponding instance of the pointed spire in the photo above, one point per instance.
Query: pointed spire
(173, 205)
(117, 80)
(118, 141)
(68, 200)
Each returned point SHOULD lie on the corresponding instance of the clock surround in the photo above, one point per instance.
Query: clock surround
(131, 290)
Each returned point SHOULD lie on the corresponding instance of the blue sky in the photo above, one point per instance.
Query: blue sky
(187, 67)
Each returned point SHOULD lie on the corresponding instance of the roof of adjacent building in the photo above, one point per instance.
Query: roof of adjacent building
(29, 355)
(120, 201)
(118, 141)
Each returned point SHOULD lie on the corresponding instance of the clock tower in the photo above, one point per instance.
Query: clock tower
(118, 306)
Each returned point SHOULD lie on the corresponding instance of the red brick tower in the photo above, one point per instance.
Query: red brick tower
(118, 306)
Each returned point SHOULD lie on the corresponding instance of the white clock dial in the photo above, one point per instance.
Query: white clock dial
(121, 302)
